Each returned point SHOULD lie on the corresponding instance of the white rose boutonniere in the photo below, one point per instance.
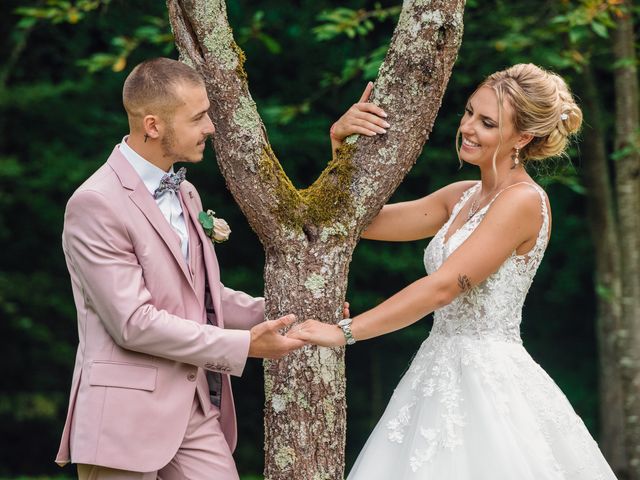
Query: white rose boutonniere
(215, 228)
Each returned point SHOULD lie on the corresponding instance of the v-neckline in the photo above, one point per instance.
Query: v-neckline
(454, 214)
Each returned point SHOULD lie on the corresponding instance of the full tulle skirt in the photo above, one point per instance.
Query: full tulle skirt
(478, 409)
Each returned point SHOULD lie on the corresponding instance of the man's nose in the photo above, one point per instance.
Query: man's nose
(210, 130)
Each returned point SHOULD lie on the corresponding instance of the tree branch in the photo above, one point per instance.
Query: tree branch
(253, 173)
(409, 88)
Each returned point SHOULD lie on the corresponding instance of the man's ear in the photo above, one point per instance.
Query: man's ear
(152, 126)
(523, 140)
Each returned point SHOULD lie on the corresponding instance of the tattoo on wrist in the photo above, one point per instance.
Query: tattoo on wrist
(464, 283)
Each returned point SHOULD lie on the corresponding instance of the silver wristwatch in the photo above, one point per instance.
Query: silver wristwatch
(345, 325)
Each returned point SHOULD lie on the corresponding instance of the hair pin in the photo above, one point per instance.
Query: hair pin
(563, 116)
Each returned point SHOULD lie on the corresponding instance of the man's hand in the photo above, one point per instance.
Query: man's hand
(345, 310)
(363, 118)
(267, 342)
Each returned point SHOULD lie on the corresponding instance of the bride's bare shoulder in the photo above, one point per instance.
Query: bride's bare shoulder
(451, 193)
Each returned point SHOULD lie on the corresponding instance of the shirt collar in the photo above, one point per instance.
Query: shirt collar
(148, 172)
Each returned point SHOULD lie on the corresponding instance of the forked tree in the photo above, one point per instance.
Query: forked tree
(309, 234)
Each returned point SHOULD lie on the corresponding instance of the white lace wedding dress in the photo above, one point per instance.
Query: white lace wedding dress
(474, 405)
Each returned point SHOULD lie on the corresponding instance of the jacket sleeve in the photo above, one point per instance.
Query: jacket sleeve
(241, 311)
(101, 252)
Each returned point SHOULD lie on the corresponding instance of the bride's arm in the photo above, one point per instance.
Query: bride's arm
(416, 219)
(513, 220)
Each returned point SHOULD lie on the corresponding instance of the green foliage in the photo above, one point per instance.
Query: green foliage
(155, 31)
(631, 147)
(305, 66)
(58, 11)
(350, 22)
(256, 31)
(564, 174)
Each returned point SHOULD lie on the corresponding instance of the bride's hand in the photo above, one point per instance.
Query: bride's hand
(363, 118)
(318, 333)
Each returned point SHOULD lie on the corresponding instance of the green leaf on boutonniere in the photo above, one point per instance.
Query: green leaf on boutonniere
(205, 220)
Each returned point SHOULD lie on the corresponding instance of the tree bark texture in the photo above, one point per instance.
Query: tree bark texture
(627, 186)
(602, 222)
(309, 234)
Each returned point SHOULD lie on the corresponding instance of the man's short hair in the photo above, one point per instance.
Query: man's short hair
(151, 87)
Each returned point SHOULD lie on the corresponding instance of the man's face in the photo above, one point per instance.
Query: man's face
(187, 129)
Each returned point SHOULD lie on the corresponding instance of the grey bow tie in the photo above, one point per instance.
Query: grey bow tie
(170, 182)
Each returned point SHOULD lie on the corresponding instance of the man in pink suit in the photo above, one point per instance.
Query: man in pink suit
(159, 334)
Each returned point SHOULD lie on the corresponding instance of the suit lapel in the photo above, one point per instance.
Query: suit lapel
(210, 262)
(147, 205)
(141, 197)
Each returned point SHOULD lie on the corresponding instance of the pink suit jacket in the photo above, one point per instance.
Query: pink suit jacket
(142, 335)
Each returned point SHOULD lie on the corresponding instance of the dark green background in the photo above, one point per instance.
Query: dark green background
(58, 123)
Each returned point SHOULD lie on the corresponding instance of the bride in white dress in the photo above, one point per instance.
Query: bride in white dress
(474, 404)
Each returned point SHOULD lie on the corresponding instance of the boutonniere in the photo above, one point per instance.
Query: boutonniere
(215, 228)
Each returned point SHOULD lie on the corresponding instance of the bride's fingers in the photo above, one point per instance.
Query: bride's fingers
(367, 92)
(301, 328)
(356, 128)
(372, 118)
(363, 119)
(297, 333)
(364, 131)
(371, 108)
(371, 122)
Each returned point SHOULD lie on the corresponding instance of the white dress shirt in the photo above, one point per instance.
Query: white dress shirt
(168, 202)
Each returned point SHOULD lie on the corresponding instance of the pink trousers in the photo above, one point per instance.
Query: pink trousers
(203, 455)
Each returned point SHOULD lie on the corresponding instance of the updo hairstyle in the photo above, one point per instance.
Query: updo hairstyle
(543, 106)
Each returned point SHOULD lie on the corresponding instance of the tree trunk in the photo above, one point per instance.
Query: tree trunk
(305, 411)
(627, 187)
(600, 206)
(309, 234)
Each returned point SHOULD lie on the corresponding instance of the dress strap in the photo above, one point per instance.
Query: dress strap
(543, 234)
(507, 188)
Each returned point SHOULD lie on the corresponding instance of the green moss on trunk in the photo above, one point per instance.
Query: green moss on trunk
(241, 59)
(318, 205)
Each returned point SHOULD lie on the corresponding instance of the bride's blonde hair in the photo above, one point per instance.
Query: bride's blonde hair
(542, 106)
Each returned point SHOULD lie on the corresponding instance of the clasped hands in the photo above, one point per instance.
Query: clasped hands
(268, 342)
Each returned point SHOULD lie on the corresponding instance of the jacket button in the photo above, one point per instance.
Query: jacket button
(191, 377)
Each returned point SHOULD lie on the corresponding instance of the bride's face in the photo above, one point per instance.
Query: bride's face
(480, 129)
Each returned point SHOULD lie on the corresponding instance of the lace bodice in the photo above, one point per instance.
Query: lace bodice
(493, 308)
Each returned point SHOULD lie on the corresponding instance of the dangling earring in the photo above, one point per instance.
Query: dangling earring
(516, 158)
